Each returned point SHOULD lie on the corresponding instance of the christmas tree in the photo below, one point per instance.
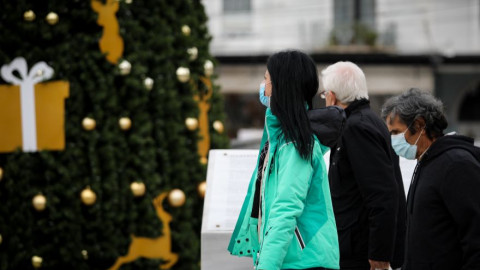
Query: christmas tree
(140, 116)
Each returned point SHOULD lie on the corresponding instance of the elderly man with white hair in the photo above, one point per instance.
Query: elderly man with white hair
(365, 178)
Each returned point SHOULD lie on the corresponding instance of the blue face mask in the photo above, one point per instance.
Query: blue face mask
(402, 147)
(264, 99)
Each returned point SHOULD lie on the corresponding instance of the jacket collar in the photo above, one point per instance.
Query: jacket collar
(272, 126)
(357, 105)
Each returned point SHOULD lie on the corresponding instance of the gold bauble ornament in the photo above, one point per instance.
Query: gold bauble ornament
(138, 189)
(52, 18)
(125, 67)
(176, 198)
(203, 160)
(89, 123)
(29, 15)
(148, 82)
(1, 173)
(183, 74)
(218, 126)
(201, 188)
(191, 123)
(208, 68)
(85, 254)
(39, 202)
(37, 261)
(128, 1)
(193, 53)
(125, 123)
(88, 196)
(186, 30)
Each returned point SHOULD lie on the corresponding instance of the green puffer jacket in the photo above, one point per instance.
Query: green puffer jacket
(298, 225)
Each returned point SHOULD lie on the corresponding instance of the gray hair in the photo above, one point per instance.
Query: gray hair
(346, 80)
(414, 104)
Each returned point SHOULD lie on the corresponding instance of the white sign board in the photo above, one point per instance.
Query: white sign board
(228, 176)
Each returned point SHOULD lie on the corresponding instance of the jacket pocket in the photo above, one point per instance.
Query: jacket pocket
(295, 250)
(299, 237)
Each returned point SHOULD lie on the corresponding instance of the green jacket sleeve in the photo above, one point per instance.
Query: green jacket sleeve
(293, 181)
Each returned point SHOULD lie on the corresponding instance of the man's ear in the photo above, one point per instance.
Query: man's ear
(334, 98)
(419, 123)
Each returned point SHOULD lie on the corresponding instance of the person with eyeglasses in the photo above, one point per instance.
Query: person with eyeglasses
(365, 179)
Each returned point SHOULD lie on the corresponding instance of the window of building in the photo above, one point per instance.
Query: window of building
(354, 22)
(236, 6)
(469, 109)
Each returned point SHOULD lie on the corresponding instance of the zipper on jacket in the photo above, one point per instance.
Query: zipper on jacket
(262, 187)
(262, 197)
(413, 187)
(299, 238)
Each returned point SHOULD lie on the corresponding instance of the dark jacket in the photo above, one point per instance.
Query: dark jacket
(444, 208)
(367, 191)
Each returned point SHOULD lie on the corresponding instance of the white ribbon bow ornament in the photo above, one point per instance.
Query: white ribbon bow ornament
(27, 80)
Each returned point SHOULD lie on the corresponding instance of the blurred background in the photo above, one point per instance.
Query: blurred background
(130, 96)
(431, 45)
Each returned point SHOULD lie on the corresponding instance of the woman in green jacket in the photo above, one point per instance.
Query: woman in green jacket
(287, 219)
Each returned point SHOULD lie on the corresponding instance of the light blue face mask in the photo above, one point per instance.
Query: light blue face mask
(264, 99)
(402, 147)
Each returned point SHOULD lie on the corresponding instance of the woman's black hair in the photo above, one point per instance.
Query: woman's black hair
(294, 77)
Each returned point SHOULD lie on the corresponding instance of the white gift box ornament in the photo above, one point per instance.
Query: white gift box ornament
(25, 82)
(38, 73)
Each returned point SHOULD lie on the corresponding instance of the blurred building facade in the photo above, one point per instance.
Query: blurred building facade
(433, 45)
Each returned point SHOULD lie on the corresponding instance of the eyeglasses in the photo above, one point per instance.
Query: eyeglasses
(323, 94)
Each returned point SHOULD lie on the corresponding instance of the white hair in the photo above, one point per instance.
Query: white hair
(346, 80)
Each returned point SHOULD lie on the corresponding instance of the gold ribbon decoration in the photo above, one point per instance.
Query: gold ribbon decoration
(203, 101)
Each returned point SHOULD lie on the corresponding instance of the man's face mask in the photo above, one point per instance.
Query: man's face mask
(402, 147)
